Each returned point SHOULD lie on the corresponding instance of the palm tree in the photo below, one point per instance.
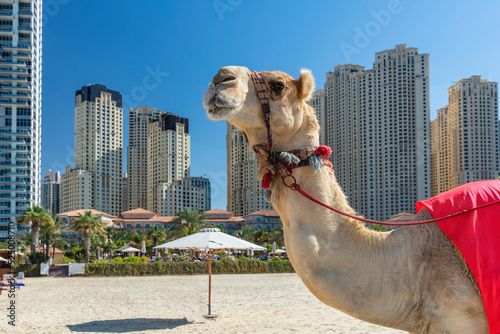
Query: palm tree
(276, 235)
(246, 233)
(37, 215)
(97, 240)
(156, 233)
(109, 231)
(88, 224)
(121, 238)
(261, 236)
(189, 221)
(58, 242)
(137, 238)
(221, 228)
(50, 230)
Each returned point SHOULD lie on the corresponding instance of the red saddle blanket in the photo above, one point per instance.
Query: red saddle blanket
(476, 234)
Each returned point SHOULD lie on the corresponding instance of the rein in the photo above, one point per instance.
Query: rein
(283, 163)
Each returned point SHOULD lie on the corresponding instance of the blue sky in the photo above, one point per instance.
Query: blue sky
(163, 54)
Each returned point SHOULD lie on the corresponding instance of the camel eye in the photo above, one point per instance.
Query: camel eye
(278, 87)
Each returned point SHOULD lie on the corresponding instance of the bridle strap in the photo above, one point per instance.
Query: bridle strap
(263, 95)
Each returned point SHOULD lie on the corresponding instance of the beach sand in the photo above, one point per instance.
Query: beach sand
(252, 303)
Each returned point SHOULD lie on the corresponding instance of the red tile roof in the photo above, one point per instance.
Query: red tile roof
(139, 210)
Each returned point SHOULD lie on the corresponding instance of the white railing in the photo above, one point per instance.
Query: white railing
(76, 268)
(44, 268)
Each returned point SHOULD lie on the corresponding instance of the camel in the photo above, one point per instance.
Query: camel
(411, 278)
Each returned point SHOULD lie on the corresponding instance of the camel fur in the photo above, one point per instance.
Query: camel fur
(409, 279)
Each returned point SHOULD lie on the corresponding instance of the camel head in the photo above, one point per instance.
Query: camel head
(232, 96)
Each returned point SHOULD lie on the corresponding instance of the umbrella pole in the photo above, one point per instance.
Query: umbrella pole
(210, 315)
(210, 282)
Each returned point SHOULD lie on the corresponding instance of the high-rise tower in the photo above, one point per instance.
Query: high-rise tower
(244, 193)
(137, 155)
(50, 191)
(98, 147)
(379, 132)
(20, 108)
(465, 142)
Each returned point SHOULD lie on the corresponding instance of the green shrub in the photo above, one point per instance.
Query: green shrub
(29, 270)
(143, 259)
(37, 258)
(118, 259)
(224, 266)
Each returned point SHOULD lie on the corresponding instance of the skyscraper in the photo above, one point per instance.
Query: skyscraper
(50, 191)
(318, 102)
(98, 147)
(203, 182)
(20, 108)
(378, 129)
(169, 146)
(244, 193)
(465, 142)
(137, 155)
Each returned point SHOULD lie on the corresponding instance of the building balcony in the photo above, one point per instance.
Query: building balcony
(19, 95)
(17, 173)
(9, 79)
(23, 197)
(18, 88)
(17, 71)
(10, 103)
(6, 14)
(4, 189)
(24, 28)
(25, 12)
(14, 149)
(23, 157)
(8, 180)
(14, 164)
(21, 56)
(18, 48)
(19, 132)
(10, 62)
(10, 140)
(8, 213)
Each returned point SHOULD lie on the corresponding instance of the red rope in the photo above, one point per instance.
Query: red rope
(308, 196)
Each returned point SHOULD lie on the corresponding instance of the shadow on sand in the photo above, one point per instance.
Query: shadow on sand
(128, 325)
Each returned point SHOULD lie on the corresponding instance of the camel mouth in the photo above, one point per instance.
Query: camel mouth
(220, 105)
(217, 113)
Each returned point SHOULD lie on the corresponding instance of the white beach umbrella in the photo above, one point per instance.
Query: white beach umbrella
(274, 248)
(206, 241)
(130, 250)
(143, 248)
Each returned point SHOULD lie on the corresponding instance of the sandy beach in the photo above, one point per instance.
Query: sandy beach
(253, 303)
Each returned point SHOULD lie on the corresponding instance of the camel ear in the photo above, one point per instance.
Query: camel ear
(305, 84)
